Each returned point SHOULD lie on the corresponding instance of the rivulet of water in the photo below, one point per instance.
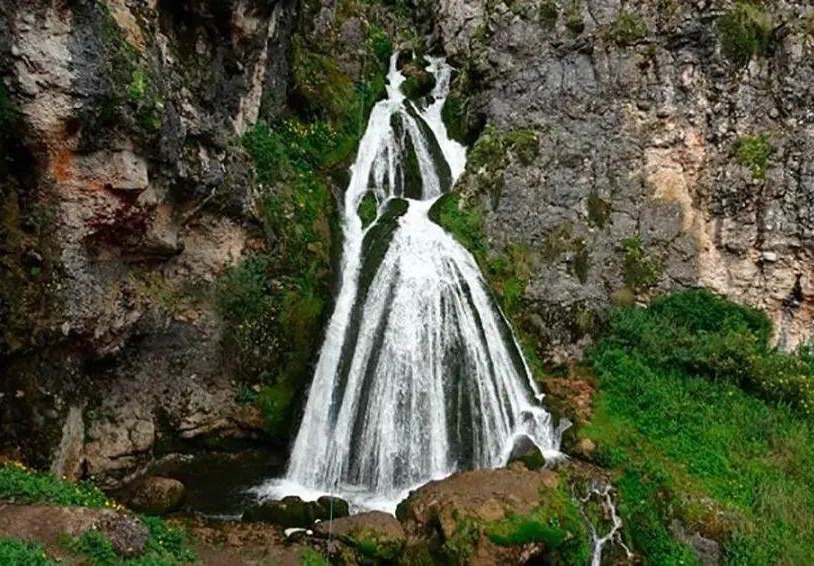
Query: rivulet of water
(419, 375)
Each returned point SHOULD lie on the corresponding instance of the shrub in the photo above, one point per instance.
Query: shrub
(746, 30)
(754, 152)
(628, 28)
(548, 14)
(573, 17)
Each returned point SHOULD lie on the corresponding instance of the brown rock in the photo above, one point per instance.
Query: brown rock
(157, 495)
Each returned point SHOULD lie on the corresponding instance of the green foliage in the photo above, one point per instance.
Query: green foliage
(166, 546)
(641, 271)
(20, 485)
(15, 552)
(556, 523)
(548, 14)
(628, 28)
(754, 152)
(275, 302)
(368, 209)
(746, 30)
(573, 17)
(463, 222)
(683, 419)
(310, 557)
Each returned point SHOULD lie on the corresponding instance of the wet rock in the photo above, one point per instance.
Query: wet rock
(380, 532)
(527, 453)
(706, 550)
(293, 512)
(157, 495)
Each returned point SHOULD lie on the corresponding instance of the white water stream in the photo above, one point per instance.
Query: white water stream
(419, 375)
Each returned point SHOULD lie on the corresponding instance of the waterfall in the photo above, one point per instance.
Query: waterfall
(420, 374)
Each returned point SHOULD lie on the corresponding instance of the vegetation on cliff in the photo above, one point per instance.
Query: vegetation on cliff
(703, 421)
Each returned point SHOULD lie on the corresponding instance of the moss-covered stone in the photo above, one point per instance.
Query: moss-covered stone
(367, 209)
(418, 81)
(599, 211)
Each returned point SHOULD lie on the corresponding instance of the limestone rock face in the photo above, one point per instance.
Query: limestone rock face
(638, 133)
(128, 167)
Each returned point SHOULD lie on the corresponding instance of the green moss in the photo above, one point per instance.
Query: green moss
(573, 17)
(15, 552)
(457, 548)
(380, 43)
(368, 209)
(688, 422)
(556, 523)
(754, 152)
(454, 113)
(599, 211)
(548, 14)
(418, 82)
(641, 271)
(628, 28)
(523, 144)
(491, 154)
(746, 30)
(373, 545)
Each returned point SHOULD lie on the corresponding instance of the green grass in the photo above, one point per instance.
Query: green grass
(165, 547)
(685, 419)
(15, 552)
(310, 557)
(23, 486)
(754, 152)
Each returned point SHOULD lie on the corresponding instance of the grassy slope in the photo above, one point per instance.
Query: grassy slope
(690, 419)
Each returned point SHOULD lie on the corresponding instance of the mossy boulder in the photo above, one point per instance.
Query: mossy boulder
(157, 496)
(293, 512)
(375, 535)
(419, 82)
(527, 453)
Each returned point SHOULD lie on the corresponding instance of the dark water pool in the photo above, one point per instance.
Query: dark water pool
(217, 484)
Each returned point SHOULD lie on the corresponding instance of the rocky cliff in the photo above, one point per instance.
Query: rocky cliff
(635, 147)
(619, 150)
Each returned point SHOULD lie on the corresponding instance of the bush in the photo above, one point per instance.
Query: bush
(709, 336)
(746, 30)
(754, 152)
(628, 28)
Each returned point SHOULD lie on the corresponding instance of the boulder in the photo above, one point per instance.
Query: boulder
(375, 534)
(293, 512)
(157, 495)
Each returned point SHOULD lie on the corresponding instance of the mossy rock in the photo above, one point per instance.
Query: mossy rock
(293, 512)
(418, 82)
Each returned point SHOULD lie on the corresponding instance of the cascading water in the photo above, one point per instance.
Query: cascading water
(419, 374)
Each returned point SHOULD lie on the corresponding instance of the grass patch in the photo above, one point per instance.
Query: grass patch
(310, 557)
(15, 552)
(754, 152)
(548, 14)
(700, 425)
(746, 30)
(23, 486)
(573, 17)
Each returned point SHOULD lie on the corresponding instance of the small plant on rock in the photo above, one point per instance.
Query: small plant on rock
(754, 152)
(746, 30)
(628, 28)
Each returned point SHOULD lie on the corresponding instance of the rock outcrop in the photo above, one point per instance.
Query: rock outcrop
(121, 124)
(671, 147)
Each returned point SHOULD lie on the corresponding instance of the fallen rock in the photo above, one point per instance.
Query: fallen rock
(126, 533)
(292, 511)
(157, 495)
(375, 534)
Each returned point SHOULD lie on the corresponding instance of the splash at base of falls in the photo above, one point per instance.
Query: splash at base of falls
(420, 375)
